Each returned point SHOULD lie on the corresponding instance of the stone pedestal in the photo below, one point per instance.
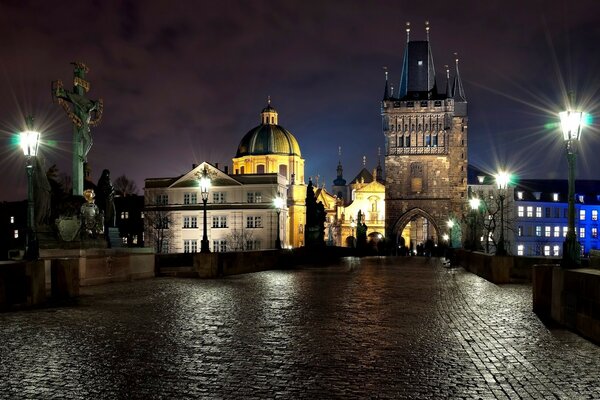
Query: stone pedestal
(65, 278)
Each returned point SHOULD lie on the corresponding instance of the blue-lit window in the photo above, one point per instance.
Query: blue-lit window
(594, 215)
(582, 215)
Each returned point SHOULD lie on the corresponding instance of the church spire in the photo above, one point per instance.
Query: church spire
(448, 84)
(379, 169)
(458, 92)
(386, 92)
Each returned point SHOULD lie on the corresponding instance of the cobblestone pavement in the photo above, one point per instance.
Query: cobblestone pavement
(373, 328)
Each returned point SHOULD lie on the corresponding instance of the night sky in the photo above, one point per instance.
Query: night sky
(183, 81)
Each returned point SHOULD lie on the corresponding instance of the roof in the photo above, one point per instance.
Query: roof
(268, 139)
(364, 176)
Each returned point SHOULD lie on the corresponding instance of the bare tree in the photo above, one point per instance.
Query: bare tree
(488, 220)
(157, 223)
(125, 186)
(237, 240)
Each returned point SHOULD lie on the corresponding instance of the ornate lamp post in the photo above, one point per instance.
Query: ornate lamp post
(474, 202)
(30, 140)
(278, 203)
(204, 186)
(450, 226)
(571, 123)
(502, 179)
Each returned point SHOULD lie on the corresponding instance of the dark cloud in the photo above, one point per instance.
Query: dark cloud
(184, 81)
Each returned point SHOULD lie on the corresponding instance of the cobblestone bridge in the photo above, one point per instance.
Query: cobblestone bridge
(373, 328)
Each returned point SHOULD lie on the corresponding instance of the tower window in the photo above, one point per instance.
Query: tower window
(420, 63)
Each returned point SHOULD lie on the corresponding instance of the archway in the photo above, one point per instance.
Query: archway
(413, 229)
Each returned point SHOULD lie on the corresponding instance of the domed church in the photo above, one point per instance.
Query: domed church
(270, 148)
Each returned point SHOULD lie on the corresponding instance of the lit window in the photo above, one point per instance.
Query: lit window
(124, 240)
(581, 198)
(125, 215)
(555, 196)
(556, 250)
(582, 232)
(190, 246)
(254, 197)
(520, 250)
(219, 246)
(582, 215)
(420, 63)
(218, 197)
(538, 231)
(546, 250)
(557, 231)
(565, 230)
(520, 231)
(547, 231)
(595, 233)
(190, 222)
(254, 222)
(529, 211)
(219, 221)
(190, 198)
(538, 212)
(594, 215)
(12, 220)
(520, 195)
(16, 234)
(520, 210)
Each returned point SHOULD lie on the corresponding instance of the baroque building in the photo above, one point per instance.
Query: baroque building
(425, 131)
(241, 214)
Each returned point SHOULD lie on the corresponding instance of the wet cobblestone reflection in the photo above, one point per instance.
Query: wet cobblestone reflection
(371, 328)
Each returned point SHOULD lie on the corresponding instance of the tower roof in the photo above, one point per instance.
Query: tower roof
(268, 137)
(418, 72)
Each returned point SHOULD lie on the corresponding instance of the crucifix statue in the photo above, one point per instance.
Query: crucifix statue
(83, 114)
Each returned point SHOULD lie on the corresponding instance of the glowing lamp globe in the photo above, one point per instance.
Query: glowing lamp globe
(571, 123)
(29, 141)
(278, 202)
(474, 203)
(502, 179)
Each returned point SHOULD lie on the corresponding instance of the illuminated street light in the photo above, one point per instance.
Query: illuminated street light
(502, 181)
(204, 186)
(571, 123)
(278, 202)
(450, 224)
(474, 202)
(29, 141)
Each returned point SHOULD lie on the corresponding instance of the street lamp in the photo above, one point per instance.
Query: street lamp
(450, 226)
(353, 226)
(474, 202)
(204, 186)
(29, 141)
(502, 180)
(571, 123)
(278, 202)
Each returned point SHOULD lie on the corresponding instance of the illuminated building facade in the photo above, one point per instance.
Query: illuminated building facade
(425, 133)
(270, 148)
(240, 211)
(541, 222)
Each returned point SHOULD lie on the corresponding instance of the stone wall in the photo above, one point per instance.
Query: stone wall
(22, 284)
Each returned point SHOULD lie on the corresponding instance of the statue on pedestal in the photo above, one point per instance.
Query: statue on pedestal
(91, 216)
(84, 113)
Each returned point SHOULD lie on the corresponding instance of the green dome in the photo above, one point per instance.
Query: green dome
(268, 139)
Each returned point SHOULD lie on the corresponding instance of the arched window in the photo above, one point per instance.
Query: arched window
(242, 170)
(260, 169)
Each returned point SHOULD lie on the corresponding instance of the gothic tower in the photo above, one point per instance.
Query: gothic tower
(426, 150)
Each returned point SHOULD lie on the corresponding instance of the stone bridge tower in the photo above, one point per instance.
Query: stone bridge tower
(426, 150)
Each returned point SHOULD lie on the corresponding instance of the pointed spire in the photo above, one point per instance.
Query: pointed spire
(407, 32)
(448, 84)
(340, 170)
(392, 91)
(386, 93)
(458, 92)
(269, 100)
(364, 161)
(427, 30)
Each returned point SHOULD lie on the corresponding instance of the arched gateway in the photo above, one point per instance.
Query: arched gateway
(425, 131)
